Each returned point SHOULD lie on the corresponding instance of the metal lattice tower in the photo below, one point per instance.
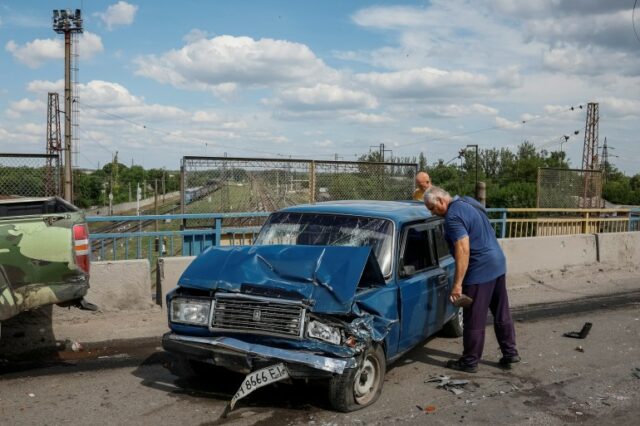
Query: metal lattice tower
(590, 156)
(590, 150)
(54, 145)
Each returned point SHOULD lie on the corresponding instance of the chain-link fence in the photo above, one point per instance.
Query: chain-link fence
(226, 184)
(569, 188)
(29, 175)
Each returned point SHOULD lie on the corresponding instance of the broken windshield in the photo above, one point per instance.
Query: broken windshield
(330, 230)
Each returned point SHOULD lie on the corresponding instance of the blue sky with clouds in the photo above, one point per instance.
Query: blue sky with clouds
(316, 79)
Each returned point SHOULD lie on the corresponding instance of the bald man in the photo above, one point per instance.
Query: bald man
(423, 182)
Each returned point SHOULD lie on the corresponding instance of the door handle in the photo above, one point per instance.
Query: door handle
(443, 280)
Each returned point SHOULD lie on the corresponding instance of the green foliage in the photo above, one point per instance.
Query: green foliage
(510, 177)
(93, 189)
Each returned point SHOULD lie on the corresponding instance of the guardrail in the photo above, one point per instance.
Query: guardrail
(523, 222)
(153, 236)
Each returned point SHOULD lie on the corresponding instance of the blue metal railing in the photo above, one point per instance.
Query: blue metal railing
(181, 241)
(136, 242)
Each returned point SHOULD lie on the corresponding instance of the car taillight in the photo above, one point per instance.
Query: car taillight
(81, 246)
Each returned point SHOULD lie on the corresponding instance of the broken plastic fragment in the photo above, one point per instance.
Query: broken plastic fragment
(580, 334)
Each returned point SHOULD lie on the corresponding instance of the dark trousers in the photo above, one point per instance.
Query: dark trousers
(491, 295)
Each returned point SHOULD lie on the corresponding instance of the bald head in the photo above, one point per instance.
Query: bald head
(423, 181)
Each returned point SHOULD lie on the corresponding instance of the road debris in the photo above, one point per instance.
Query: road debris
(636, 372)
(579, 349)
(580, 334)
(446, 383)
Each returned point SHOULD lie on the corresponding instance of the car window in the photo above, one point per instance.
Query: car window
(331, 230)
(441, 244)
(416, 254)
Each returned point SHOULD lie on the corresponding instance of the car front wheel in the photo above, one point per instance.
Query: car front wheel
(453, 328)
(359, 387)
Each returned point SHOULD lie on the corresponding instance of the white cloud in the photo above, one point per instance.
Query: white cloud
(504, 123)
(591, 61)
(25, 106)
(34, 53)
(611, 107)
(195, 35)
(558, 8)
(459, 110)
(324, 97)
(326, 143)
(390, 17)
(224, 63)
(206, 117)
(119, 14)
(426, 83)
(362, 118)
(431, 132)
(45, 86)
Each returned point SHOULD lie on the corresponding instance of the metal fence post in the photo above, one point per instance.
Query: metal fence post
(218, 231)
(503, 230)
(312, 182)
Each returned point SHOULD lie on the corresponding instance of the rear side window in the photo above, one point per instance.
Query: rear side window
(416, 253)
(441, 244)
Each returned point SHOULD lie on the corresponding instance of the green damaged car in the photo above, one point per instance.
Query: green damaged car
(44, 255)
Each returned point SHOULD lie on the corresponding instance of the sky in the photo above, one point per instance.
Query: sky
(330, 79)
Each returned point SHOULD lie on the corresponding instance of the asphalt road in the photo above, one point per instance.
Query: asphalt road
(560, 381)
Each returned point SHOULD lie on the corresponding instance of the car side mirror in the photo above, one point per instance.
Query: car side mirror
(408, 270)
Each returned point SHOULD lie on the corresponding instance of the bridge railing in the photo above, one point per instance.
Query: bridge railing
(153, 236)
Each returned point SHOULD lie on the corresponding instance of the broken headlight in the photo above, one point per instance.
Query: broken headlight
(318, 330)
(190, 311)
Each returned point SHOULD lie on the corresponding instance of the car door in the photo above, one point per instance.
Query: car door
(418, 274)
(446, 267)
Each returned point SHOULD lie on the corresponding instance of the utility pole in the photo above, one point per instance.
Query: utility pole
(381, 152)
(606, 165)
(69, 24)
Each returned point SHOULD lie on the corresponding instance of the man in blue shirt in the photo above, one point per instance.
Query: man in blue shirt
(480, 274)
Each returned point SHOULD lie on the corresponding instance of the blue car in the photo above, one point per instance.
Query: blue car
(332, 291)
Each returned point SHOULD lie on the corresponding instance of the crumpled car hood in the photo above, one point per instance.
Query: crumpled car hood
(327, 277)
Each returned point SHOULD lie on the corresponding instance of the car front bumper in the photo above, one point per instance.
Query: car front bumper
(242, 356)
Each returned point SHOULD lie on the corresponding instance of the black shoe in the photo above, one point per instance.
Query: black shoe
(506, 361)
(456, 364)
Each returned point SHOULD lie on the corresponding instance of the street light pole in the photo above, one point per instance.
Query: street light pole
(476, 148)
(481, 193)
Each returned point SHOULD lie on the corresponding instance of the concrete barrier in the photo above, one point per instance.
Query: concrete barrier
(545, 253)
(169, 271)
(120, 285)
(619, 248)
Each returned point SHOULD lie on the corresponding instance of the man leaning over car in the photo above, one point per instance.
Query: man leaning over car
(480, 274)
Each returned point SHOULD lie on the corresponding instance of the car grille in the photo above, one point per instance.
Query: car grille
(258, 315)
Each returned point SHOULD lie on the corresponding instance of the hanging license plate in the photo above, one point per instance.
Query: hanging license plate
(258, 379)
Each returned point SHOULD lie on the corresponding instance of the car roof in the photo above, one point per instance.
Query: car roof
(398, 211)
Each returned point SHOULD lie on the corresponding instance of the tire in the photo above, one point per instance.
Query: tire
(186, 368)
(359, 387)
(453, 328)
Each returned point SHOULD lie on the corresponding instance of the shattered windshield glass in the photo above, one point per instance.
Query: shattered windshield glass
(330, 230)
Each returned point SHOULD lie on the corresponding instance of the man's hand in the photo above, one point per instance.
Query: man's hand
(461, 254)
(456, 292)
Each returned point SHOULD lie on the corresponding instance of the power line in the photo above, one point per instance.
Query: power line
(522, 122)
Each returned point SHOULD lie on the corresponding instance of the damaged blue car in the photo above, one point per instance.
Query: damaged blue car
(331, 291)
